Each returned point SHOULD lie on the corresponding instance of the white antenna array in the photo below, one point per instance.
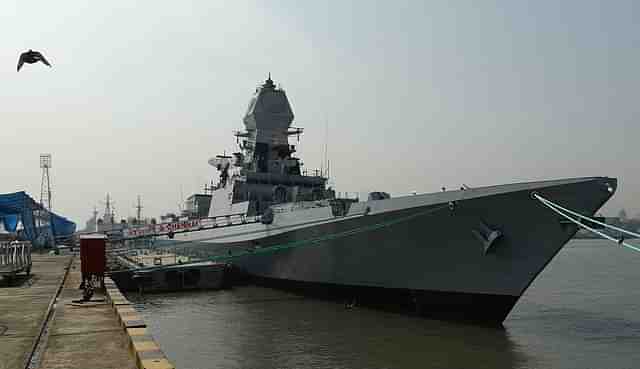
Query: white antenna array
(325, 160)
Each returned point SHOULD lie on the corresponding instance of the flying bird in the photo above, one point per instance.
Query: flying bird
(31, 57)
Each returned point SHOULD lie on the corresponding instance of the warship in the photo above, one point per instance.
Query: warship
(465, 254)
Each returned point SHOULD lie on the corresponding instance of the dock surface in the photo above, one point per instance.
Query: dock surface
(88, 336)
(76, 336)
(23, 306)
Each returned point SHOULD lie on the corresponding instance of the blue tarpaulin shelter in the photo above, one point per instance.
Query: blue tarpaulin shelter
(20, 207)
(62, 227)
(10, 222)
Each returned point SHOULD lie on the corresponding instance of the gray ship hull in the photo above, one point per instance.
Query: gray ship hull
(435, 259)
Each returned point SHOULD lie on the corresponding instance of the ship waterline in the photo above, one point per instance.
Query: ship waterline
(465, 255)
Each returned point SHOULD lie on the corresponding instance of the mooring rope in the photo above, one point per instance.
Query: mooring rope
(328, 237)
(611, 226)
(560, 210)
(317, 240)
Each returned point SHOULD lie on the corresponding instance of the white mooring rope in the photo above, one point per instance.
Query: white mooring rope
(559, 209)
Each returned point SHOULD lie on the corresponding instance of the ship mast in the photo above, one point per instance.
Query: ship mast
(139, 210)
(265, 172)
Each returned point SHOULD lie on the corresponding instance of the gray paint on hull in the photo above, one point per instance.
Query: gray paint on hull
(436, 252)
(439, 252)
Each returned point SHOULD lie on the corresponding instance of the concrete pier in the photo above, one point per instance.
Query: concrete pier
(24, 305)
(85, 335)
(39, 331)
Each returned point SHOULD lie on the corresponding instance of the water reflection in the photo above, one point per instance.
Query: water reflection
(251, 327)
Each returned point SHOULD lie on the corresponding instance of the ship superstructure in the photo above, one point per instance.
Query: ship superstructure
(464, 254)
(264, 172)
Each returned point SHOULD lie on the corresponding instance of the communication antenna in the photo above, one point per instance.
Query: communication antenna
(44, 224)
(181, 204)
(45, 184)
(109, 211)
(139, 210)
(325, 161)
(95, 219)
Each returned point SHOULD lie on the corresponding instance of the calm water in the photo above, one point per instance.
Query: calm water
(583, 311)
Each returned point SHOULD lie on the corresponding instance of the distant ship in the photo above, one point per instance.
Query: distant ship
(467, 254)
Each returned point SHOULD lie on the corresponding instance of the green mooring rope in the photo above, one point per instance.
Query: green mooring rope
(318, 240)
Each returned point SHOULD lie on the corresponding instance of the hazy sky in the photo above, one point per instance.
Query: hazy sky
(418, 95)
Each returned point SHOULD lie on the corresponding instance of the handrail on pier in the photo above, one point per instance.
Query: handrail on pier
(15, 256)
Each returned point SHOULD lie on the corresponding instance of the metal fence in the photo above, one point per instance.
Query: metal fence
(15, 256)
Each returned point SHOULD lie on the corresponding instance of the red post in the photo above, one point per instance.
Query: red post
(93, 260)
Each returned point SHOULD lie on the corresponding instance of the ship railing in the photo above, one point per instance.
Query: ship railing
(190, 225)
(309, 204)
(15, 256)
(348, 196)
(227, 220)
